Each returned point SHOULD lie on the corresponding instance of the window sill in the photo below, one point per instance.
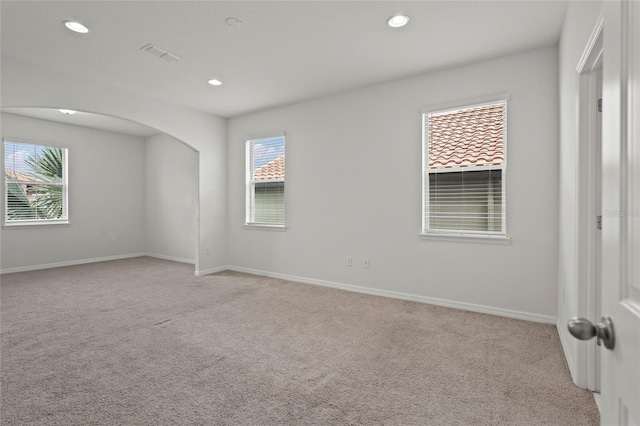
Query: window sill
(280, 228)
(28, 225)
(467, 238)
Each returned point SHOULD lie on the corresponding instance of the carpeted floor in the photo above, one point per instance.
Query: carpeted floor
(145, 342)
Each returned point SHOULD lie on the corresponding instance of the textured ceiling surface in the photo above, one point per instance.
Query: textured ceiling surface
(282, 52)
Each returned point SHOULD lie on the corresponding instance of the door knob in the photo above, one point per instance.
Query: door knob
(583, 329)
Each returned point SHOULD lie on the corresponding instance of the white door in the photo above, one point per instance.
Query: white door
(620, 366)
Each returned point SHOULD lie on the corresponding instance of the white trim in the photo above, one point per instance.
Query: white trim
(6, 224)
(505, 147)
(467, 238)
(250, 182)
(21, 224)
(467, 169)
(633, 151)
(212, 270)
(34, 142)
(594, 44)
(527, 316)
(249, 192)
(598, 399)
(564, 344)
(196, 243)
(466, 103)
(257, 227)
(425, 175)
(267, 181)
(583, 366)
(172, 258)
(509, 313)
(267, 135)
(500, 98)
(69, 263)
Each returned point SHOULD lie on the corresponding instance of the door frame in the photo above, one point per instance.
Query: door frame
(588, 258)
(620, 400)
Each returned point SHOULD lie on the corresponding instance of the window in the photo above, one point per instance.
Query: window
(35, 184)
(265, 177)
(464, 170)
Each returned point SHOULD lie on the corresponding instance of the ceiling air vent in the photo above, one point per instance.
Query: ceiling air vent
(161, 53)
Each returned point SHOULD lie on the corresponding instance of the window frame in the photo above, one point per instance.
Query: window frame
(463, 235)
(35, 223)
(249, 222)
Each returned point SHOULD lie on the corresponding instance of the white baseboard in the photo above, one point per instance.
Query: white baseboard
(213, 270)
(94, 260)
(598, 398)
(69, 263)
(570, 356)
(528, 316)
(175, 259)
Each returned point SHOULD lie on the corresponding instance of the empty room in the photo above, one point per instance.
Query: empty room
(320, 212)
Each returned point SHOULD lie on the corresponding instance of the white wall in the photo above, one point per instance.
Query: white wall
(26, 85)
(354, 189)
(171, 195)
(578, 26)
(106, 197)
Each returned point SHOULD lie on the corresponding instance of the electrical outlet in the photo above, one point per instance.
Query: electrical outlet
(563, 295)
(366, 263)
(206, 251)
(349, 261)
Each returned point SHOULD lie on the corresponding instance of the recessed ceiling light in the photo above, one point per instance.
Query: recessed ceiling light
(67, 111)
(398, 21)
(76, 26)
(214, 82)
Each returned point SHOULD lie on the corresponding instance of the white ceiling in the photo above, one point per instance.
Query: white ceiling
(86, 119)
(283, 51)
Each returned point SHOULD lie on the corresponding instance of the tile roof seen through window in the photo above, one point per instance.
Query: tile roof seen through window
(273, 170)
(13, 175)
(466, 137)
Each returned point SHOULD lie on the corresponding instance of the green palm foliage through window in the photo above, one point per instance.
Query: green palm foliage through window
(35, 182)
(48, 167)
(18, 205)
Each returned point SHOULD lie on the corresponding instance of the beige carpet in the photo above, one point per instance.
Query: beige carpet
(145, 342)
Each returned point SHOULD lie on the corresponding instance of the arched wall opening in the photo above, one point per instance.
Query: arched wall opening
(26, 85)
(132, 191)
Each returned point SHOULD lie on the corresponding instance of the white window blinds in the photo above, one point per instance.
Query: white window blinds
(265, 178)
(464, 170)
(466, 201)
(36, 189)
